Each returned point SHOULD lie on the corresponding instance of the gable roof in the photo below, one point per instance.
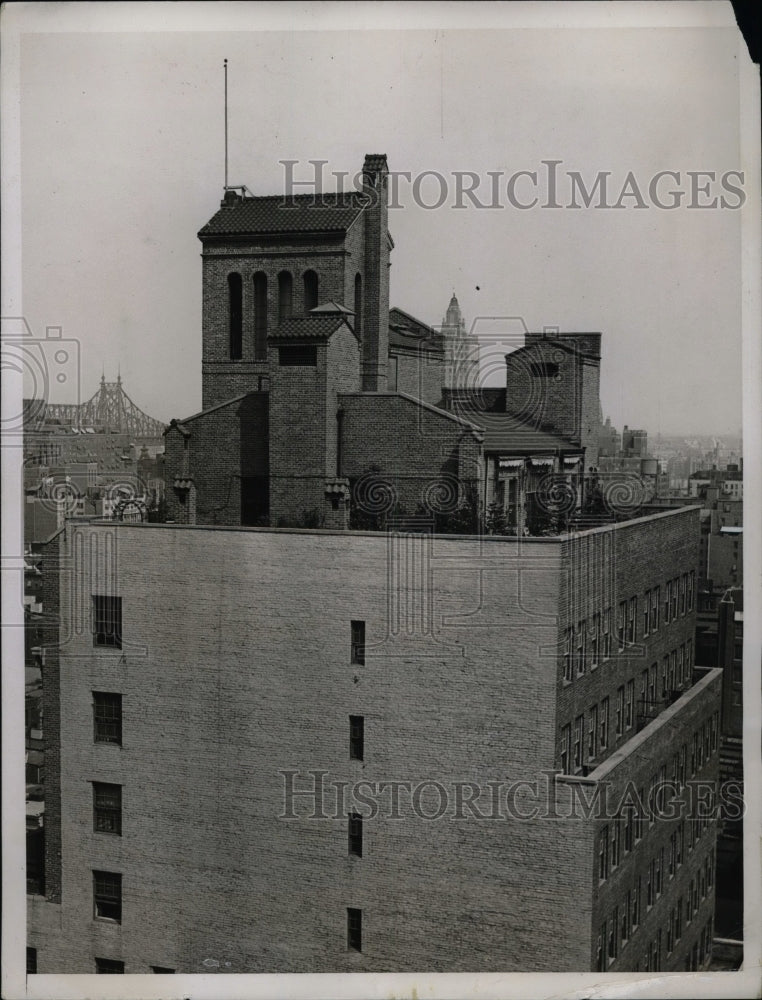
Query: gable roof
(407, 331)
(281, 214)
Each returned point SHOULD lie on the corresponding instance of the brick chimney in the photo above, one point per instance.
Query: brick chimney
(375, 326)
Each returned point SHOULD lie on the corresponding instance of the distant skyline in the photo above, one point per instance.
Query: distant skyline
(122, 163)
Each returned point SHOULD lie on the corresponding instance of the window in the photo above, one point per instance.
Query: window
(652, 679)
(162, 970)
(31, 961)
(655, 602)
(310, 290)
(594, 641)
(356, 737)
(600, 959)
(107, 895)
(107, 717)
(544, 369)
(691, 588)
(107, 621)
(683, 587)
(107, 808)
(625, 924)
(680, 672)
(606, 634)
(579, 726)
(581, 647)
(568, 655)
(672, 857)
(565, 748)
(298, 356)
(659, 871)
(613, 928)
(667, 602)
(629, 705)
(679, 844)
(621, 618)
(620, 710)
(629, 828)
(636, 896)
(355, 834)
(358, 642)
(643, 692)
(235, 316)
(108, 965)
(260, 316)
(650, 897)
(592, 733)
(631, 619)
(673, 608)
(358, 305)
(715, 724)
(354, 929)
(285, 295)
(688, 661)
(616, 844)
(603, 853)
(604, 731)
(646, 612)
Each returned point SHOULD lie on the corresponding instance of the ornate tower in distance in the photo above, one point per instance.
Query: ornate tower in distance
(461, 350)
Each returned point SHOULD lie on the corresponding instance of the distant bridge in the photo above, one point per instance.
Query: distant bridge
(110, 409)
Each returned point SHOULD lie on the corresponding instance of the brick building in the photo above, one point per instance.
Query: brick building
(361, 734)
(166, 840)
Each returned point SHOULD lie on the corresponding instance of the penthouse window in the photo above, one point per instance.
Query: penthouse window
(581, 647)
(604, 729)
(109, 966)
(579, 726)
(358, 642)
(298, 356)
(107, 621)
(107, 896)
(606, 634)
(594, 643)
(356, 737)
(621, 619)
(568, 655)
(355, 834)
(655, 604)
(107, 808)
(646, 612)
(565, 748)
(631, 619)
(107, 717)
(354, 929)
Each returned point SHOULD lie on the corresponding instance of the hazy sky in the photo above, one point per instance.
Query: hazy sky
(122, 163)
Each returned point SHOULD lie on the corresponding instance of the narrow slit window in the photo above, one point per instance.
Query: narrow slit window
(358, 642)
(354, 929)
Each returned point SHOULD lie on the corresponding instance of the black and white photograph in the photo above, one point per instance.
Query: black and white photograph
(381, 385)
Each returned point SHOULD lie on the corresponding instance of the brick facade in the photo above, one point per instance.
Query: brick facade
(460, 671)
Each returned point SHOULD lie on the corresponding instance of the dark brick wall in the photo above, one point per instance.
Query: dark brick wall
(417, 449)
(418, 374)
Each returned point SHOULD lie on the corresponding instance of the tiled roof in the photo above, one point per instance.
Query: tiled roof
(407, 331)
(374, 161)
(281, 214)
(506, 434)
(318, 327)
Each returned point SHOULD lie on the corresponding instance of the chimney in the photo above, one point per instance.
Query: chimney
(375, 326)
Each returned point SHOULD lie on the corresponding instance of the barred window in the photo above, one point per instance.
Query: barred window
(107, 808)
(107, 717)
(107, 895)
(107, 621)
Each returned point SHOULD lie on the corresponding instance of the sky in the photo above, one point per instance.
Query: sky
(122, 162)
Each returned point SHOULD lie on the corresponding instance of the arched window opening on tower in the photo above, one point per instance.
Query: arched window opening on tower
(285, 295)
(235, 296)
(358, 305)
(260, 316)
(310, 290)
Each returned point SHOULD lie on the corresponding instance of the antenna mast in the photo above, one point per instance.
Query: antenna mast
(226, 124)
